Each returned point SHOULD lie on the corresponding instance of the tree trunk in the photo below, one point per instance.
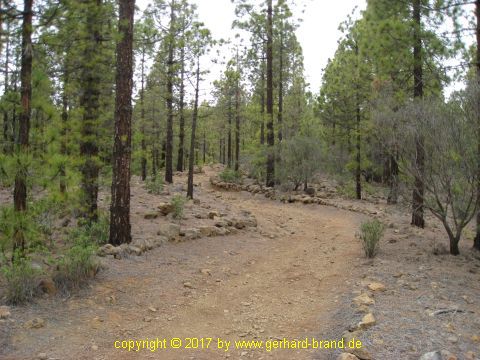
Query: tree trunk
(181, 135)
(270, 131)
(89, 102)
(191, 158)
(262, 104)
(63, 144)
(204, 147)
(120, 228)
(419, 187)
(229, 140)
(280, 88)
(476, 242)
(142, 120)
(20, 190)
(393, 180)
(237, 118)
(8, 145)
(170, 75)
(358, 171)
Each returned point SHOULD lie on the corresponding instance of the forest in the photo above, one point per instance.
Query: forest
(110, 128)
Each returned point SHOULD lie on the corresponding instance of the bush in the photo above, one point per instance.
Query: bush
(178, 203)
(371, 233)
(230, 176)
(76, 267)
(93, 232)
(21, 281)
(154, 185)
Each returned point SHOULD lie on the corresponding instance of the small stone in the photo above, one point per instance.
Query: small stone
(470, 355)
(42, 356)
(188, 285)
(452, 339)
(376, 286)
(206, 272)
(48, 286)
(363, 299)
(367, 321)
(4, 312)
(36, 323)
(94, 347)
(165, 208)
(150, 216)
(347, 356)
(152, 309)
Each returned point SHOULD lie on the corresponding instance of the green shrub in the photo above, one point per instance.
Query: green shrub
(230, 176)
(93, 232)
(76, 267)
(178, 203)
(154, 185)
(371, 233)
(21, 281)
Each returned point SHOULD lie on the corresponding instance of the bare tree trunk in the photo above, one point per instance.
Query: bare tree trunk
(476, 242)
(181, 135)
(358, 170)
(20, 190)
(229, 141)
(191, 158)
(89, 102)
(120, 228)
(270, 131)
(393, 180)
(237, 117)
(280, 87)
(204, 147)
(170, 64)
(8, 146)
(142, 120)
(63, 144)
(262, 104)
(419, 187)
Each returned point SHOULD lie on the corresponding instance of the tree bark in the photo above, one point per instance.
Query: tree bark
(476, 242)
(419, 187)
(191, 158)
(170, 74)
(20, 190)
(143, 144)
(89, 102)
(181, 135)
(237, 117)
(63, 144)
(229, 139)
(8, 147)
(120, 228)
(270, 131)
(262, 103)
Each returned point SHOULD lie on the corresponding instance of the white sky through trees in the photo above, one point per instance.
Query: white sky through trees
(318, 33)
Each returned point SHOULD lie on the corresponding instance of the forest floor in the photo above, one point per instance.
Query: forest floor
(294, 276)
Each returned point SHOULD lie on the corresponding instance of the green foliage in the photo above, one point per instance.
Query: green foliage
(230, 176)
(299, 160)
(21, 281)
(154, 185)
(370, 233)
(77, 266)
(178, 203)
(96, 232)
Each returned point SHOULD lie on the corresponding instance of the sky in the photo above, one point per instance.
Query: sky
(318, 33)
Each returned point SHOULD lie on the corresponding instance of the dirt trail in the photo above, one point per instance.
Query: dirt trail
(283, 280)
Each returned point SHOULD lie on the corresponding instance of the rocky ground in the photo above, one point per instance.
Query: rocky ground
(245, 263)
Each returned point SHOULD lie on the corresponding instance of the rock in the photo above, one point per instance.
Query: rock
(36, 323)
(150, 215)
(310, 191)
(221, 223)
(109, 249)
(438, 355)
(42, 356)
(188, 285)
(132, 249)
(47, 286)
(94, 347)
(361, 353)
(208, 230)
(347, 356)
(363, 299)
(192, 234)
(376, 286)
(145, 244)
(470, 355)
(166, 208)
(367, 321)
(206, 272)
(4, 312)
(170, 231)
(213, 214)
